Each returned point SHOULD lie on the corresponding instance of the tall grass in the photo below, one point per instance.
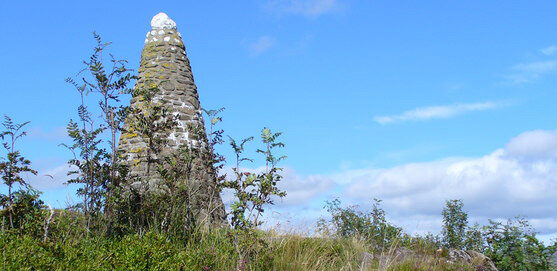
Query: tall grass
(213, 251)
(292, 252)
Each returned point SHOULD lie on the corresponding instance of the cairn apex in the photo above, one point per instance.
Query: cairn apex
(162, 21)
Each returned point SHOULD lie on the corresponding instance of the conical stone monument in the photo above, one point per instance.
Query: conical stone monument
(165, 65)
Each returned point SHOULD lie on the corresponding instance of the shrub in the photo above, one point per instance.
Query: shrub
(455, 222)
(513, 246)
(348, 222)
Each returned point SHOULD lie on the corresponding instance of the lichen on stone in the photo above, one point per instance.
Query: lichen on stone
(165, 67)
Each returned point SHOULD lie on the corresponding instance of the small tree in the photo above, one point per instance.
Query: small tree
(513, 246)
(371, 226)
(215, 162)
(474, 238)
(13, 165)
(91, 169)
(110, 82)
(96, 158)
(455, 222)
(253, 191)
(345, 222)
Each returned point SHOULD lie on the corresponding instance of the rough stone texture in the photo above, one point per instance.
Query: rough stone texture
(387, 258)
(474, 258)
(164, 63)
(366, 261)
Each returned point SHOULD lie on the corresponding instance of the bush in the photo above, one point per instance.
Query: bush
(28, 213)
(348, 222)
(455, 222)
(513, 246)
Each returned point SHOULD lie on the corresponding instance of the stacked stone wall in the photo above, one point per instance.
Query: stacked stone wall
(164, 65)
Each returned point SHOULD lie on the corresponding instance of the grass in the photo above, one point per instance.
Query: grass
(213, 251)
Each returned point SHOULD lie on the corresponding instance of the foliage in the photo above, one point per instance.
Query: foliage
(421, 244)
(455, 222)
(169, 206)
(132, 252)
(28, 213)
(90, 168)
(252, 191)
(15, 203)
(214, 137)
(109, 83)
(177, 210)
(474, 238)
(124, 228)
(349, 222)
(149, 120)
(513, 246)
(97, 167)
(152, 251)
(163, 206)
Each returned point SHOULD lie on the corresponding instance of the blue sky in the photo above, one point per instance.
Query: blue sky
(412, 102)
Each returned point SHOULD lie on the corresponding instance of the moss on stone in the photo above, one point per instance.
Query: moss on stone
(129, 135)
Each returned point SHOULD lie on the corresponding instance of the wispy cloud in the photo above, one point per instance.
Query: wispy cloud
(549, 50)
(436, 112)
(531, 71)
(55, 134)
(528, 72)
(261, 45)
(307, 8)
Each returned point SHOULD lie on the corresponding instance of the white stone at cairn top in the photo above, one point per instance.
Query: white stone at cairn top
(162, 21)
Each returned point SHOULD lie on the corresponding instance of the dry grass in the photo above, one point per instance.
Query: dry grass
(296, 252)
(292, 252)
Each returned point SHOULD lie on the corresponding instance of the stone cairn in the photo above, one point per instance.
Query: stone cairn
(164, 64)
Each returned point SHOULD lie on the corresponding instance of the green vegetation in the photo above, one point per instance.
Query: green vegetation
(512, 245)
(455, 222)
(372, 227)
(117, 226)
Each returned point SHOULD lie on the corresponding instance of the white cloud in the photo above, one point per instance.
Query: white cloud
(261, 45)
(529, 72)
(299, 209)
(549, 50)
(538, 144)
(436, 112)
(300, 189)
(307, 8)
(518, 179)
(535, 67)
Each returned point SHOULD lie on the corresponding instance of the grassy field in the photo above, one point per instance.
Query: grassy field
(211, 252)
